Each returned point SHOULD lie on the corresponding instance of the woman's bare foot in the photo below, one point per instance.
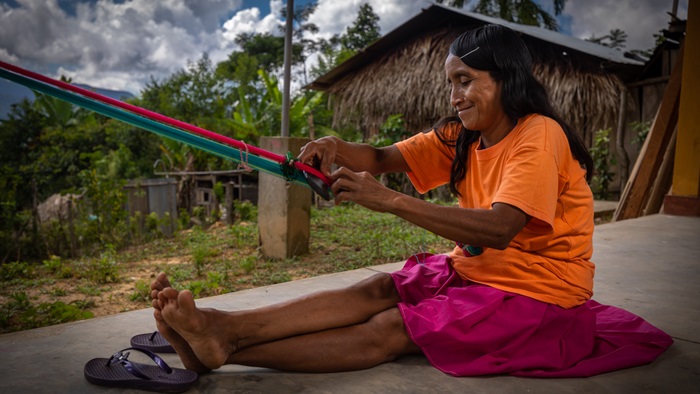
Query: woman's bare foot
(183, 349)
(205, 330)
(157, 286)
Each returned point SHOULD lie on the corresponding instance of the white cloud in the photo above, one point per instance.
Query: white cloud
(8, 57)
(249, 21)
(115, 80)
(640, 19)
(333, 17)
(395, 13)
(117, 45)
(120, 45)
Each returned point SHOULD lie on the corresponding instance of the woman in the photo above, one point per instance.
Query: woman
(513, 296)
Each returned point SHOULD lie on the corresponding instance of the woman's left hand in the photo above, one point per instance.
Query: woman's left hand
(361, 188)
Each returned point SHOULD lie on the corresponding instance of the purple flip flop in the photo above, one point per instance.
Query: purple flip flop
(153, 342)
(119, 371)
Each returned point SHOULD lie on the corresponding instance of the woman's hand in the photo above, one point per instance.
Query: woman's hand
(320, 154)
(326, 151)
(361, 188)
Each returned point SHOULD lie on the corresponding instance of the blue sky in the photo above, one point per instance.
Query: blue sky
(121, 44)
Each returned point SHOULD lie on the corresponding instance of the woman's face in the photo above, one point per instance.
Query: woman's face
(475, 95)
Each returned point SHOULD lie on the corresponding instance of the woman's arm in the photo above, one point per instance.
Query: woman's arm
(325, 151)
(493, 228)
(354, 181)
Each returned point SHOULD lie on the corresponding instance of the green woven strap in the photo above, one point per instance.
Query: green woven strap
(221, 150)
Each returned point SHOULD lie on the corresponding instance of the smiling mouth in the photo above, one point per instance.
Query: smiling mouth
(465, 109)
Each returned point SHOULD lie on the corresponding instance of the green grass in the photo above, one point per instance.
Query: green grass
(368, 238)
(212, 261)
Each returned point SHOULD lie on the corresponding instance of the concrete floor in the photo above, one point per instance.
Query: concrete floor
(649, 266)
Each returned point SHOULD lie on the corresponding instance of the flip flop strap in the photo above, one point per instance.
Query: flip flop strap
(123, 358)
(153, 336)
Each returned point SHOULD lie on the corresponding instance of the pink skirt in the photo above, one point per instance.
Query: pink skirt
(467, 329)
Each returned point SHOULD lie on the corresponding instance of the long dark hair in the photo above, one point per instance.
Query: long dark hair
(504, 55)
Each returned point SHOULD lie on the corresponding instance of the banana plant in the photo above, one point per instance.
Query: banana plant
(253, 118)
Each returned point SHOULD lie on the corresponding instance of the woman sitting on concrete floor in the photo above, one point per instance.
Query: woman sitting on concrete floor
(513, 297)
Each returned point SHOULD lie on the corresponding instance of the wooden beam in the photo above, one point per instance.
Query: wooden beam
(646, 168)
(663, 180)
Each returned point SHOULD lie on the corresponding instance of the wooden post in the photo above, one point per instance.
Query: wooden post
(663, 180)
(684, 198)
(229, 203)
(634, 197)
(71, 227)
(620, 140)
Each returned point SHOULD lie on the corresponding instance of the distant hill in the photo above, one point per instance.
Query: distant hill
(115, 94)
(12, 93)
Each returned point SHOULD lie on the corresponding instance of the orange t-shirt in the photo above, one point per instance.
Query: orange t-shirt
(533, 169)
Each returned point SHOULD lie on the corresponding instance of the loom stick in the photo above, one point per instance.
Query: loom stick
(161, 118)
(314, 178)
(168, 131)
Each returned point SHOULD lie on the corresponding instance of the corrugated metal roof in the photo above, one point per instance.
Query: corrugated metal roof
(437, 14)
(555, 37)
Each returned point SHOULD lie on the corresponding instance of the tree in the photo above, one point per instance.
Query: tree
(526, 12)
(258, 51)
(19, 139)
(190, 95)
(197, 95)
(47, 146)
(301, 28)
(615, 39)
(267, 51)
(363, 31)
(266, 48)
(452, 3)
(263, 116)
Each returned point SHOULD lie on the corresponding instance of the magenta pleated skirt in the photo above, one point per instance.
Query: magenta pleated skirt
(467, 329)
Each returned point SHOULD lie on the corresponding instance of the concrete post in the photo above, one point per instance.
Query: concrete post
(284, 208)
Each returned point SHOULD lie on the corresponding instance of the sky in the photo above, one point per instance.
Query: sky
(121, 44)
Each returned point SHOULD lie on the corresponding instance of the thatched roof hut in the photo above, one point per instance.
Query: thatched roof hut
(402, 73)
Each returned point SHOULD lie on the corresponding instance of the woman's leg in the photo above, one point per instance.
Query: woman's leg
(214, 335)
(381, 339)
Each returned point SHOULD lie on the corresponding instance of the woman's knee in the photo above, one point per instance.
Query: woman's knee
(389, 337)
(378, 287)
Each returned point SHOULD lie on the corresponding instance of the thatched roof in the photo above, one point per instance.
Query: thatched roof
(402, 73)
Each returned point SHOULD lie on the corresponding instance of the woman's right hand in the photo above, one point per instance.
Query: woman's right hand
(320, 154)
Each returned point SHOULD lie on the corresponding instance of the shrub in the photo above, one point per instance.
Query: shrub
(142, 292)
(246, 210)
(25, 315)
(102, 270)
(16, 270)
(602, 161)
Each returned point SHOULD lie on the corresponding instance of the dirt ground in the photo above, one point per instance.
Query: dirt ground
(128, 289)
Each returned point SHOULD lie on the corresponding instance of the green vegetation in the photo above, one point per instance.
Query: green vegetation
(22, 314)
(50, 147)
(526, 12)
(212, 261)
(92, 258)
(603, 160)
(641, 130)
